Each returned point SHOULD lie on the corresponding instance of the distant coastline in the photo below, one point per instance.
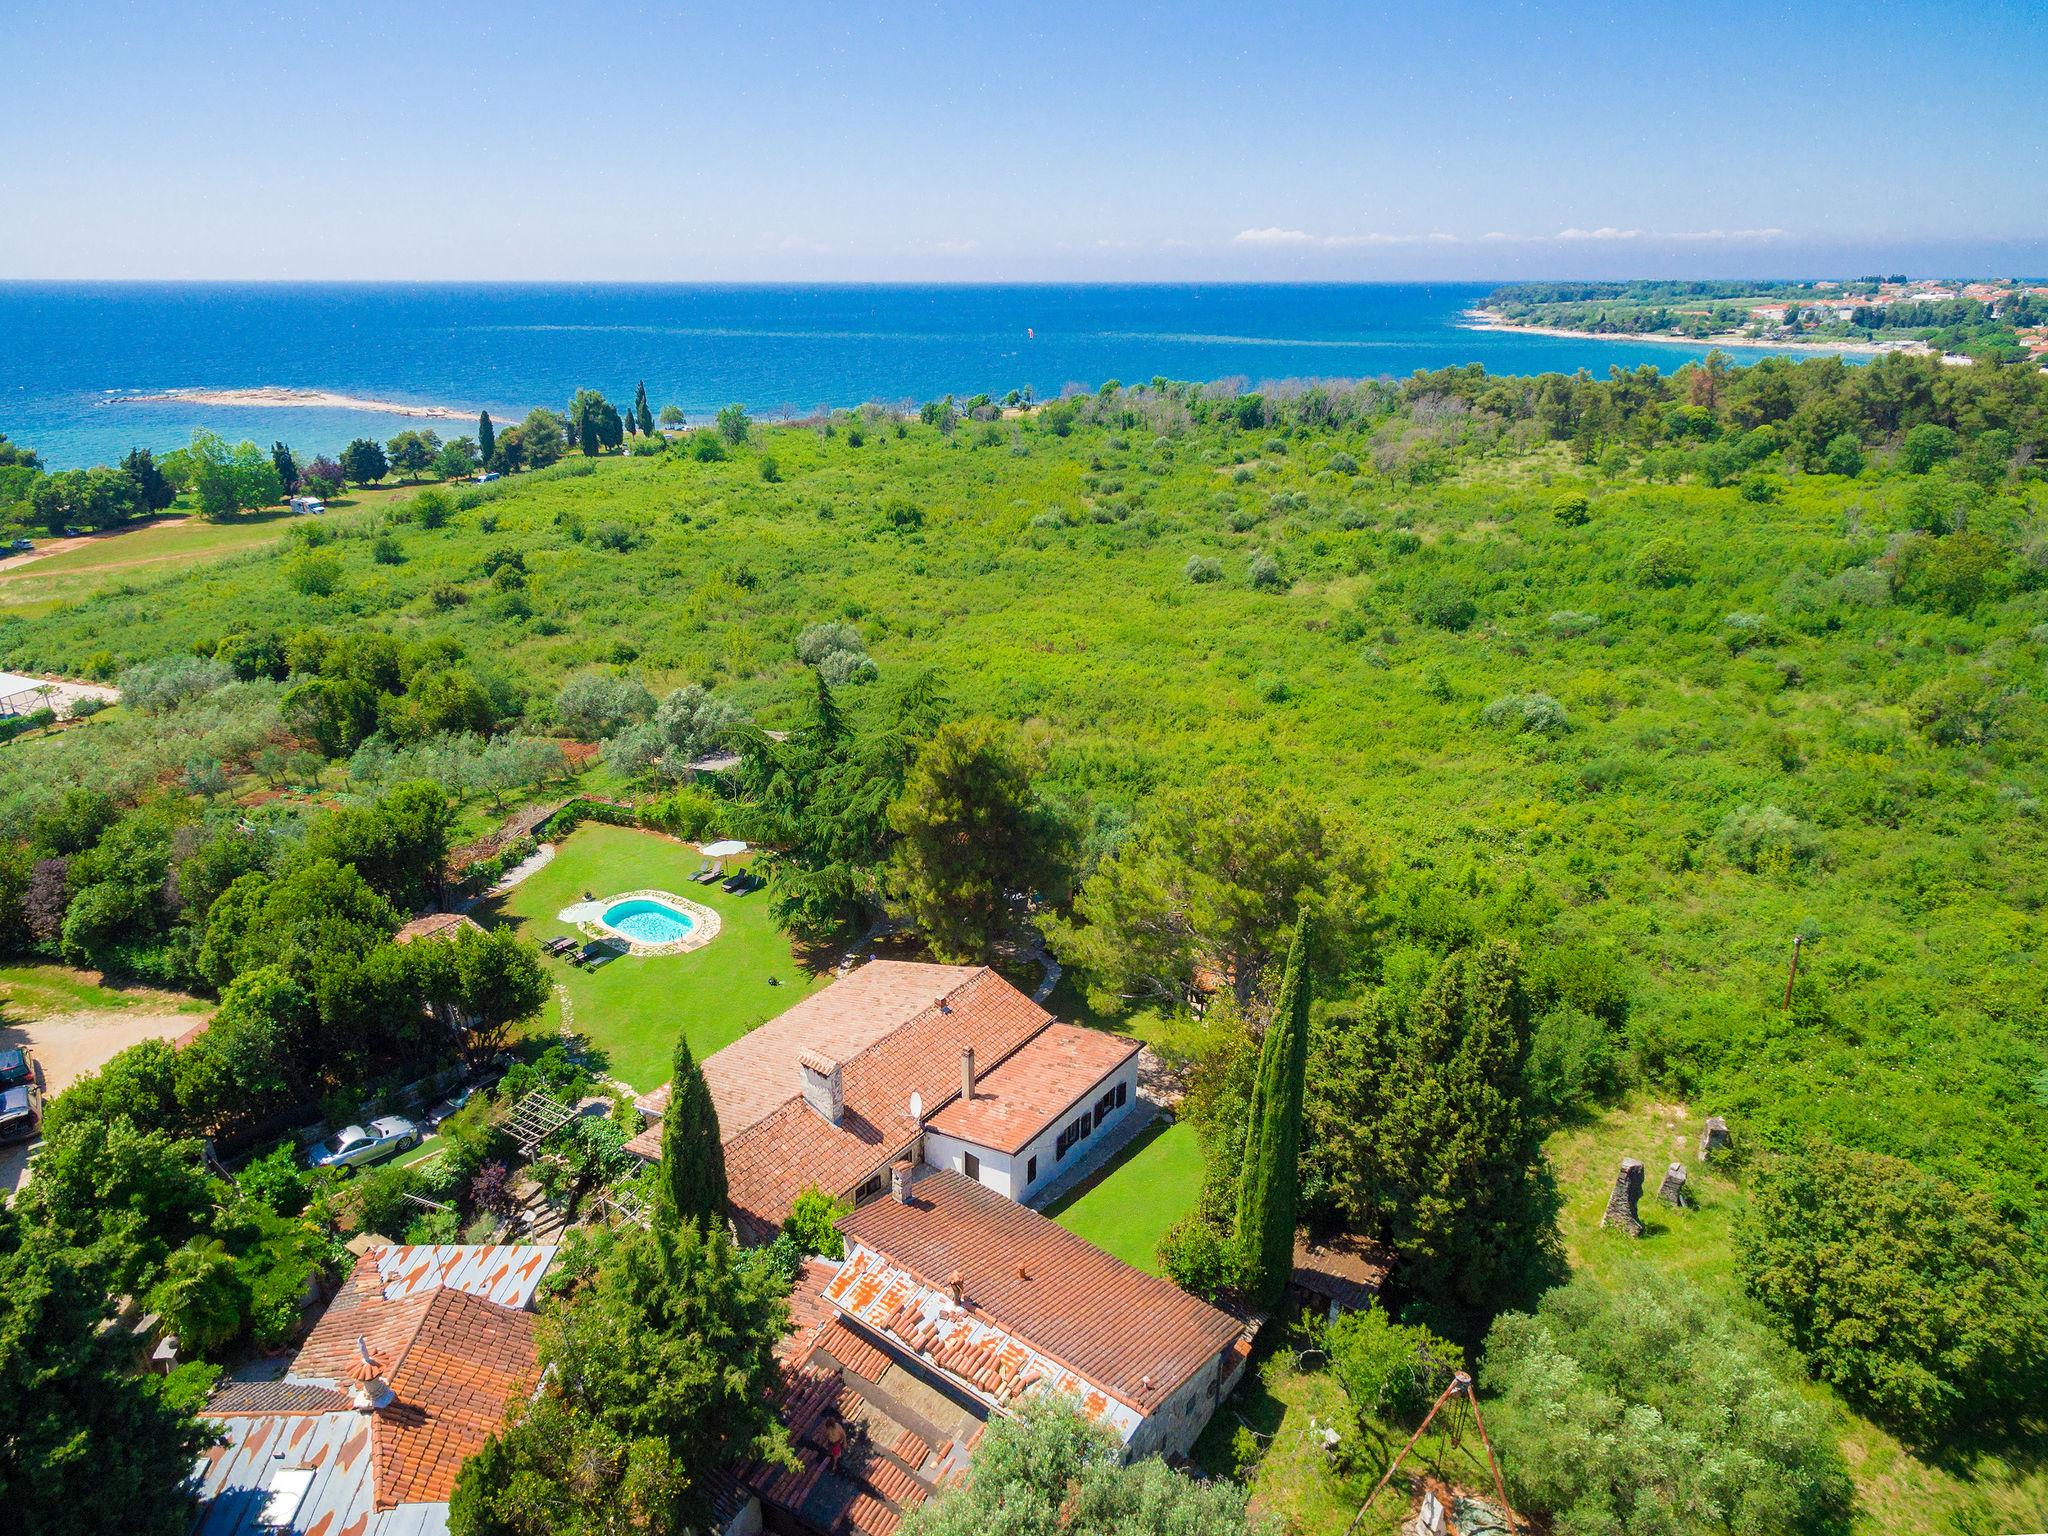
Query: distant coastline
(272, 395)
(1494, 320)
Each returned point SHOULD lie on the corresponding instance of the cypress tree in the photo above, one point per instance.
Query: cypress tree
(641, 413)
(486, 438)
(1267, 1187)
(692, 1155)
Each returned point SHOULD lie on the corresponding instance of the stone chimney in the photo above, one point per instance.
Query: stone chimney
(370, 1391)
(1714, 1138)
(956, 1287)
(1672, 1190)
(899, 1181)
(1621, 1205)
(823, 1090)
(966, 1071)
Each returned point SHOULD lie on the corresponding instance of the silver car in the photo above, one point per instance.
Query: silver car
(354, 1145)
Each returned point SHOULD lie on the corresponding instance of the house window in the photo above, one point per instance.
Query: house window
(971, 1166)
(1031, 1171)
(869, 1189)
(1122, 1093)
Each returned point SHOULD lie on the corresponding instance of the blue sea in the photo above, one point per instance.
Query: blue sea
(74, 356)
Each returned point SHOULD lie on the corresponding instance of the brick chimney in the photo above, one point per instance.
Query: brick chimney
(899, 1182)
(823, 1090)
(966, 1071)
(956, 1287)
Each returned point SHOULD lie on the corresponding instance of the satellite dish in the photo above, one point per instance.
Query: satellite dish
(917, 1106)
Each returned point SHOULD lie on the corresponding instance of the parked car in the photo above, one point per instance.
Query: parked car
(21, 546)
(448, 1106)
(16, 1066)
(21, 1112)
(487, 477)
(354, 1145)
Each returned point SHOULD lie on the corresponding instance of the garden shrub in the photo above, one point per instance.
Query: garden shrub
(1912, 1295)
(1537, 713)
(1767, 840)
(1647, 1410)
(1202, 569)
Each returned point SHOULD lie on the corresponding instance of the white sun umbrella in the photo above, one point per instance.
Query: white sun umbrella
(724, 850)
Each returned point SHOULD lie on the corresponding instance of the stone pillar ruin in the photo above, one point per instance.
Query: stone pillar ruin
(1672, 1190)
(1714, 1138)
(1621, 1205)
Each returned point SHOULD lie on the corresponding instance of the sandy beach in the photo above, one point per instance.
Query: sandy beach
(1494, 320)
(272, 395)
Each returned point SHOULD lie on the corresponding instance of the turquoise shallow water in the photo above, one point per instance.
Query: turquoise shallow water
(73, 355)
(648, 922)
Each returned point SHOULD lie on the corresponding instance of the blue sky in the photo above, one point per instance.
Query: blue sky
(1041, 141)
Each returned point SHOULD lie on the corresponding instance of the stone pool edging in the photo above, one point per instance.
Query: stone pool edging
(586, 918)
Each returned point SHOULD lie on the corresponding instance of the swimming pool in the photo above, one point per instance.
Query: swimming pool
(646, 921)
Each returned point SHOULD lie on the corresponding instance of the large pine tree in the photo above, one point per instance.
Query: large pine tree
(486, 439)
(1266, 1189)
(692, 1155)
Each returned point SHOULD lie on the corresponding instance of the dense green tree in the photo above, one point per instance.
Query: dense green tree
(543, 438)
(594, 705)
(1207, 886)
(643, 418)
(152, 491)
(364, 462)
(309, 919)
(1649, 1411)
(398, 844)
(734, 424)
(657, 1376)
(286, 466)
(1266, 1189)
(587, 417)
(90, 499)
(1913, 1296)
(132, 1195)
(203, 1297)
(1390, 1372)
(138, 1085)
(971, 831)
(1046, 1471)
(489, 982)
(228, 481)
(412, 453)
(87, 1443)
(692, 1151)
(1418, 1133)
(486, 440)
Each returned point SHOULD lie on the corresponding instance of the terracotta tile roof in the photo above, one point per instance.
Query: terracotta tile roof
(467, 1362)
(775, 1161)
(790, 1147)
(1346, 1269)
(1036, 1085)
(1128, 1334)
(385, 1299)
(809, 1312)
(756, 1075)
(388, 1326)
(434, 925)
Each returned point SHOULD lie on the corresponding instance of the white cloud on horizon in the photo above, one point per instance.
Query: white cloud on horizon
(1301, 239)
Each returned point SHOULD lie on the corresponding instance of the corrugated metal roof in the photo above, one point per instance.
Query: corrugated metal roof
(505, 1273)
(237, 1480)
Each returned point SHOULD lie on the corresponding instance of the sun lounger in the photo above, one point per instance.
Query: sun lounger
(710, 874)
(702, 870)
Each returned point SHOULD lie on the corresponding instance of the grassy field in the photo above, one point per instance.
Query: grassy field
(31, 990)
(178, 540)
(1150, 1186)
(633, 1007)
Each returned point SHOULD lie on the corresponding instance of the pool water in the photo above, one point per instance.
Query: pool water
(648, 922)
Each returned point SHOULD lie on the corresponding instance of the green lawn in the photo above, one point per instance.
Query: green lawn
(37, 991)
(632, 1008)
(1150, 1186)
